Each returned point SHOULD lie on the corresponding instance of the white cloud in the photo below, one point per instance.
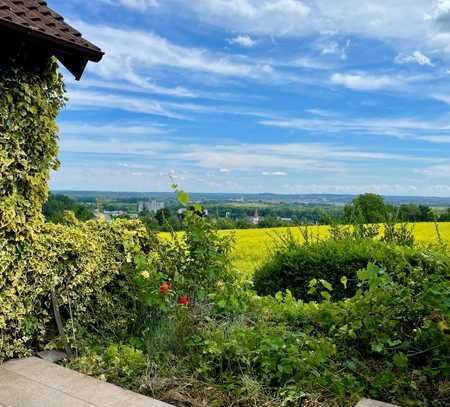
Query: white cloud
(244, 41)
(225, 170)
(332, 47)
(402, 24)
(394, 127)
(442, 98)
(310, 63)
(383, 19)
(139, 86)
(280, 17)
(416, 57)
(109, 130)
(140, 5)
(150, 52)
(275, 173)
(96, 100)
(436, 139)
(442, 170)
(277, 159)
(365, 82)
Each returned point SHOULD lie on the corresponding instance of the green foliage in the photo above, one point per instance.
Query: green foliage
(87, 265)
(120, 364)
(389, 341)
(316, 270)
(32, 92)
(57, 205)
(189, 265)
(366, 208)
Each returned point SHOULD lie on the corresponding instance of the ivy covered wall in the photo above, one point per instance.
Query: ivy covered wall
(84, 265)
(31, 95)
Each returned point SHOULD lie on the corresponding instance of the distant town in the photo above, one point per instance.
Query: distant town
(161, 211)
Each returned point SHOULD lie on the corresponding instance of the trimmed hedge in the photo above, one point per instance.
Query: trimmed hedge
(293, 268)
(85, 264)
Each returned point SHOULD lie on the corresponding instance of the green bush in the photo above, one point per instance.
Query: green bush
(120, 364)
(389, 342)
(309, 270)
(86, 265)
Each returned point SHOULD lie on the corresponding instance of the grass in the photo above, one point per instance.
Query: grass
(253, 245)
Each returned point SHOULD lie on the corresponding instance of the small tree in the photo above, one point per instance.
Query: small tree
(366, 208)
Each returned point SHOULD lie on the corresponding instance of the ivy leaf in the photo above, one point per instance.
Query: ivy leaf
(327, 285)
(344, 281)
(326, 295)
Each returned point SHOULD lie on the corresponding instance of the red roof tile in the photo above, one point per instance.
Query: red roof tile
(33, 18)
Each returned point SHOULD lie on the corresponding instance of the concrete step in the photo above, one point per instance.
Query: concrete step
(373, 403)
(33, 382)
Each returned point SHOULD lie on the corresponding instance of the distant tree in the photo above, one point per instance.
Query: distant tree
(425, 214)
(162, 216)
(366, 208)
(57, 205)
(408, 213)
(445, 217)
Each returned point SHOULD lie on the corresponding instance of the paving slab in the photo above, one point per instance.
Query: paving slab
(33, 382)
(373, 403)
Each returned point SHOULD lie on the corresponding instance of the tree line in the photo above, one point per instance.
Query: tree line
(365, 208)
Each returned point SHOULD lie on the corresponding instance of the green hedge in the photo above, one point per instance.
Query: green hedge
(85, 264)
(32, 93)
(294, 268)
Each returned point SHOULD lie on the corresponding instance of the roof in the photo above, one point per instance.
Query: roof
(34, 20)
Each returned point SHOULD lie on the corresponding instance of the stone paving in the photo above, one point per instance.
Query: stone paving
(373, 403)
(34, 382)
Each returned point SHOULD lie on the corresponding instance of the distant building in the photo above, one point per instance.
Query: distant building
(255, 219)
(150, 206)
(109, 215)
(99, 215)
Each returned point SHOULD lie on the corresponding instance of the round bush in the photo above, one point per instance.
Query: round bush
(294, 267)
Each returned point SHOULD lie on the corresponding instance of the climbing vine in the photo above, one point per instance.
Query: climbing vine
(32, 93)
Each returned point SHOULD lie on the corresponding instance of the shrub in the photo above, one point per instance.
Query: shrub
(329, 267)
(120, 364)
(86, 265)
(389, 342)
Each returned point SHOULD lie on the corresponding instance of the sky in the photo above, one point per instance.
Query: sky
(282, 96)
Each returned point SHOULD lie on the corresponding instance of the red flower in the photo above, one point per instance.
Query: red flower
(183, 300)
(164, 288)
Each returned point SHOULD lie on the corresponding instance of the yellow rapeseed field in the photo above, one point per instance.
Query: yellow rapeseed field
(252, 246)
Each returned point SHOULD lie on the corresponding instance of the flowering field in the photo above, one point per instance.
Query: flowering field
(253, 245)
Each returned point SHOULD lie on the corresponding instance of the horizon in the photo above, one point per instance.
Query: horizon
(168, 192)
(286, 96)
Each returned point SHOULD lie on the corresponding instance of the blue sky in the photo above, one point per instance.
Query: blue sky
(287, 96)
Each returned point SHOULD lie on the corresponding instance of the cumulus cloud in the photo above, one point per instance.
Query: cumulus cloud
(243, 40)
(365, 82)
(416, 57)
